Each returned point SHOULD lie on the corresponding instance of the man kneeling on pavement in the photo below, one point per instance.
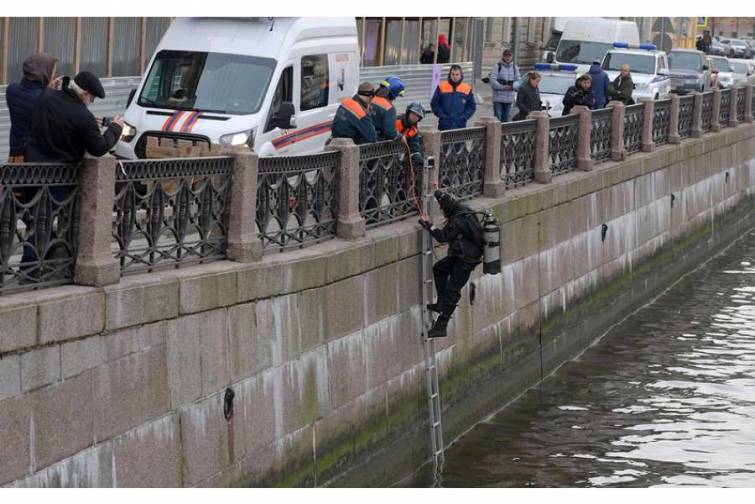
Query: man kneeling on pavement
(463, 233)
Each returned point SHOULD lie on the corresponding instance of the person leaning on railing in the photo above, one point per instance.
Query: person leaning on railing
(62, 127)
(528, 97)
(352, 118)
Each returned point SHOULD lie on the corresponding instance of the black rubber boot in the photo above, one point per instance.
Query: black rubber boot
(439, 328)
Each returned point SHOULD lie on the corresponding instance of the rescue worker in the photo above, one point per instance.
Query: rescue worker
(463, 233)
(453, 101)
(352, 118)
(382, 111)
(406, 125)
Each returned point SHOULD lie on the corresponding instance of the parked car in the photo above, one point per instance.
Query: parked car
(743, 69)
(649, 68)
(689, 71)
(555, 80)
(728, 49)
(740, 49)
(725, 72)
(718, 49)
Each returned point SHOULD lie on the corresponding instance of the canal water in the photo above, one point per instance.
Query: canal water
(665, 398)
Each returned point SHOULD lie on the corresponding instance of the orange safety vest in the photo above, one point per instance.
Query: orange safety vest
(354, 107)
(382, 103)
(463, 88)
(408, 132)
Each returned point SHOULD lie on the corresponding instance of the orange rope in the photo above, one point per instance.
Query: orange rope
(415, 196)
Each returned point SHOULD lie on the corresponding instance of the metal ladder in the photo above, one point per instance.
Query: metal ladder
(428, 344)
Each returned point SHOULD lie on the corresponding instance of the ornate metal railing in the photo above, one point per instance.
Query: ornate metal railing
(297, 200)
(600, 135)
(725, 113)
(741, 105)
(386, 186)
(634, 116)
(518, 152)
(170, 212)
(686, 113)
(462, 161)
(707, 113)
(39, 225)
(661, 121)
(562, 144)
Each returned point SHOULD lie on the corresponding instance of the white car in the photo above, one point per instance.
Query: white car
(725, 72)
(743, 69)
(648, 66)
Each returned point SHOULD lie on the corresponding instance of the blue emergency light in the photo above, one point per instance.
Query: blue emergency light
(625, 45)
(558, 67)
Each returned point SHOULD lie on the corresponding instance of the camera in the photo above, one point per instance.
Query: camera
(106, 121)
(505, 82)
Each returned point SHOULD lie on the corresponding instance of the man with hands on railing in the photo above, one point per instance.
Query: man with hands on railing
(579, 94)
(406, 125)
(463, 233)
(353, 117)
(382, 111)
(63, 129)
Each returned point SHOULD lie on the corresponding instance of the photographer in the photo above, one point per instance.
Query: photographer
(579, 94)
(528, 96)
(502, 78)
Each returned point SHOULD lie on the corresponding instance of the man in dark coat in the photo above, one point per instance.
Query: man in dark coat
(463, 233)
(21, 96)
(444, 49)
(599, 86)
(428, 54)
(453, 101)
(622, 86)
(63, 129)
(528, 97)
(353, 117)
(579, 94)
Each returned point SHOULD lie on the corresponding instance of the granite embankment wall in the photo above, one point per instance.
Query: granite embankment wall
(125, 385)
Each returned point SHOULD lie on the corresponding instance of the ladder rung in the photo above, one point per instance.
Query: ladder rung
(434, 396)
(436, 424)
(430, 368)
(428, 281)
(428, 252)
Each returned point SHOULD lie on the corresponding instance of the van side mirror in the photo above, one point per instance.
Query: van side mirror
(664, 72)
(284, 118)
(706, 67)
(549, 58)
(130, 97)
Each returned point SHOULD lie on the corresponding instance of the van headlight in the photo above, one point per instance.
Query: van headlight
(240, 138)
(127, 133)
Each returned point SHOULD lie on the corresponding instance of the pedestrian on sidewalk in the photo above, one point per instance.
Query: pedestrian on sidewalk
(444, 49)
(600, 82)
(502, 78)
(428, 55)
(528, 97)
(579, 94)
(453, 101)
(622, 87)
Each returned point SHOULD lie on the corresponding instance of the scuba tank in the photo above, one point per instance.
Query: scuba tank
(491, 237)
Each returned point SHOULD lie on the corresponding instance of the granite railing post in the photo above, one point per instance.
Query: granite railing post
(648, 144)
(715, 124)
(696, 131)
(244, 245)
(748, 103)
(431, 144)
(493, 184)
(584, 131)
(733, 121)
(350, 223)
(673, 123)
(617, 131)
(543, 172)
(95, 264)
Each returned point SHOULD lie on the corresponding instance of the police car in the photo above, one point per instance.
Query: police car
(556, 79)
(648, 66)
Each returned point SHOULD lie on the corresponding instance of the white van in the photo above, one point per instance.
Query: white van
(271, 83)
(586, 40)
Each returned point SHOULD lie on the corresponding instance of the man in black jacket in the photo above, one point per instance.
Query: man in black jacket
(63, 128)
(579, 94)
(463, 233)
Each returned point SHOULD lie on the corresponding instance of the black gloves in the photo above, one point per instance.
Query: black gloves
(425, 224)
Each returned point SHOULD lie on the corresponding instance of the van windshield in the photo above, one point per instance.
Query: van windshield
(581, 51)
(208, 82)
(685, 61)
(638, 63)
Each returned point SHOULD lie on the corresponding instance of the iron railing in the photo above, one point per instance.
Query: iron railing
(661, 121)
(462, 161)
(171, 212)
(725, 113)
(600, 135)
(707, 113)
(634, 117)
(297, 200)
(741, 105)
(387, 185)
(562, 143)
(39, 225)
(686, 114)
(518, 152)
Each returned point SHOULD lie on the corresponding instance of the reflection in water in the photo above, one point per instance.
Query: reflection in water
(666, 398)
